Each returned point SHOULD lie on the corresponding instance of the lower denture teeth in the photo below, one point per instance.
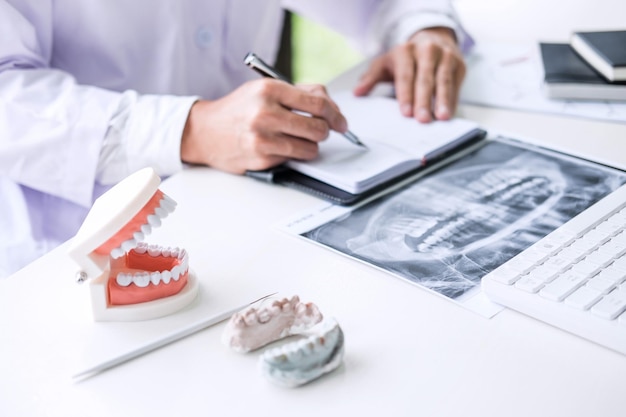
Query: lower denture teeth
(141, 248)
(141, 279)
(155, 278)
(124, 280)
(154, 250)
(166, 276)
(176, 272)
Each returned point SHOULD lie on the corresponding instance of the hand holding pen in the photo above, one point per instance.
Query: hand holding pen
(266, 70)
(258, 125)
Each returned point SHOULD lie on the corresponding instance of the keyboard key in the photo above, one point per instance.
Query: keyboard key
(619, 238)
(612, 249)
(529, 284)
(572, 254)
(560, 264)
(601, 284)
(613, 274)
(503, 276)
(620, 263)
(544, 273)
(533, 255)
(584, 244)
(545, 246)
(599, 236)
(599, 258)
(583, 298)
(609, 227)
(562, 236)
(587, 268)
(563, 285)
(520, 264)
(611, 305)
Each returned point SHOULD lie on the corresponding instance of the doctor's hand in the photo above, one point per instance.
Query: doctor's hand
(254, 127)
(427, 72)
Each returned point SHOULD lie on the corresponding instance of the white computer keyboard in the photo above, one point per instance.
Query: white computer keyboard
(575, 277)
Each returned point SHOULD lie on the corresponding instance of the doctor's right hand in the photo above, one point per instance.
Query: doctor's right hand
(258, 126)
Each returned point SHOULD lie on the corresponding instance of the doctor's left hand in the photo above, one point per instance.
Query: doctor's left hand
(427, 72)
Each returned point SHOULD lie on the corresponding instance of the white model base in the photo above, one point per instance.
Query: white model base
(142, 311)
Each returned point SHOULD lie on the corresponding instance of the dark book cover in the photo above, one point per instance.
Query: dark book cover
(563, 65)
(609, 45)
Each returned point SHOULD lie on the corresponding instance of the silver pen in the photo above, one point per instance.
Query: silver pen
(266, 70)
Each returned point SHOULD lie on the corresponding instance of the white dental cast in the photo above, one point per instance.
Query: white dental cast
(302, 361)
(255, 327)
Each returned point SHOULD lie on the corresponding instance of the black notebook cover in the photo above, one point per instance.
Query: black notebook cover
(609, 45)
(563, 65)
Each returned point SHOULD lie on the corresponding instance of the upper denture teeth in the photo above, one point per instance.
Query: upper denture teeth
(146, 229)
(174, 252)
(139, 236)
(168, 203)
(128, 245)
(161, 212)
(154, 220)
(117, 253)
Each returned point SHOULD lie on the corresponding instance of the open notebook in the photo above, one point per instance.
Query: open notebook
(397, 147)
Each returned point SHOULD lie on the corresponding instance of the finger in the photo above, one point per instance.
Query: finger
(270, 148)
(458, 78)
(319, 90)
(404, 67)
(304, 126)
(445, 87)
(319, 106)
(427, 61)
(376, 72)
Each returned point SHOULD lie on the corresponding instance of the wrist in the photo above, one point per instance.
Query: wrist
(189, 147)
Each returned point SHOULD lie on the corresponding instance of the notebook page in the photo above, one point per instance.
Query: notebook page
(396, 144)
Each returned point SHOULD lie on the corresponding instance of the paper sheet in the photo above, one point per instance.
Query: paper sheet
(511, 76)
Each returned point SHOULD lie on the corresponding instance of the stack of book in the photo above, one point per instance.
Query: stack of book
(592, 66)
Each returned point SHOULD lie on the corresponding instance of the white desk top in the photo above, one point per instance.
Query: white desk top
(408, 352)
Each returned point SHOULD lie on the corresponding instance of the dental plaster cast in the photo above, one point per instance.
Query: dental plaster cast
(257, 326)
(297, 363)
(130, 280)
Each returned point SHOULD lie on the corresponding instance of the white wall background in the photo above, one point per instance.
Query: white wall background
(545, 20)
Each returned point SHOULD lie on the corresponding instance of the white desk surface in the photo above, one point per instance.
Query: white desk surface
(408, 352)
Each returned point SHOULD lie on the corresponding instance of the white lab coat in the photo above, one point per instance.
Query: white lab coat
(93, 90)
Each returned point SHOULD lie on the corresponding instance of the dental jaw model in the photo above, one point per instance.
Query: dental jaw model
(294, 363)
(131, 280)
